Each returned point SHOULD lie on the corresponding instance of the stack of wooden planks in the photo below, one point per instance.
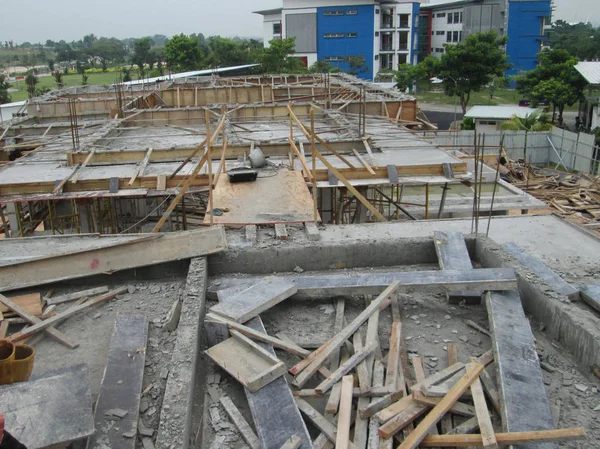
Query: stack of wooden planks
(375, 400)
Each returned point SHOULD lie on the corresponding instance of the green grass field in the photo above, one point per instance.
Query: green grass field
(97, 79)
(501, 96)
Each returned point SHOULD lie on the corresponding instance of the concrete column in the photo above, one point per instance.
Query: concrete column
(326, 205)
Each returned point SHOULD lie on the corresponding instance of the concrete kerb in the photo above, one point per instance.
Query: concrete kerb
(577, 329)
(182, 406)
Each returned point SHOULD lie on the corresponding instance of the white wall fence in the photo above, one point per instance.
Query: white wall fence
(576, 151)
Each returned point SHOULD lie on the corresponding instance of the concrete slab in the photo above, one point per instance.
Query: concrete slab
(566, 250)
(525, 406)
(64, 414)
(550, 277)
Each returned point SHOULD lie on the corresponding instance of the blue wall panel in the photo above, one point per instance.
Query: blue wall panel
(525, 21)
(362, 23)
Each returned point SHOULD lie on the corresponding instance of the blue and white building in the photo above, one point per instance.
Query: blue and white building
(384, 33)
(525, 22)
(392, 32)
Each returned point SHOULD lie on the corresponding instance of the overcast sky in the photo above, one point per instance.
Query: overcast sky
(72, 19)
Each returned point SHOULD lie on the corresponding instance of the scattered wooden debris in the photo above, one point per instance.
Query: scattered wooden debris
(241, 424)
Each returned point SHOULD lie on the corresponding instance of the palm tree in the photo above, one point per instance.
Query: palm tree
(536, 121)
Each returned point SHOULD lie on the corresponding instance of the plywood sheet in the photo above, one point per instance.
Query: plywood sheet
(283, 198)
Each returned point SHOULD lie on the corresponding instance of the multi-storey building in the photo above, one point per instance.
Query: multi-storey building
(384, 33)
(525, 22)
(392, 32)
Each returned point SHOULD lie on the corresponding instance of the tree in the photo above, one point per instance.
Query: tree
(58, 77)
(581, 40)
(323, 67)
(4, 86)
(89, 40)
(554, 79)
(182, 53)
(141, 51)
(468, 66)
(278, 57)
(50, 64)
(126, 74)
(31, 81)
(84, 79)
(536, 121)
(407, 75)
(357, 65)
(223, 52)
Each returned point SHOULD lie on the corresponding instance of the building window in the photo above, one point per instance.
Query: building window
(455, 36)
(457, 17)
(387, 61)
(404, 21)
(351, 34)
(333, 35)
(376, 33)
(403, 40)
(461, 17)
(376, 11)
(277, 28)
(335, 12)
(439, 50)
(334, 58)
(460, 36)
(402, 58)
(486, 122)
(449, 36)
(352, 12)
(440, 33)
(442, 14)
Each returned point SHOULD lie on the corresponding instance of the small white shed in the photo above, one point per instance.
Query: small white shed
(489, 119)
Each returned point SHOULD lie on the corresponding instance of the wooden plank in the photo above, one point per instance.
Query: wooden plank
(362, 161)
(161, 183)
(242, 425)
(50, 410)
(133, 254)
(325, 351)
(452, 353)
(307, 173)
(342, 440)
(54, 333)
(255, 300)
(425, 426)
(506, 439)
(3, 329)
(364, 380)
(378, 381)
(274, 429)
(142, 167)
(345, 368)
(486, 427)
(31, 303)
(393, 365)
(328, 429)
(121, 386)
(247, 364)
(523, 397)
(28, 332)
(77, 295)
(491, 391)
(378, 404)
(402, 419)
(437, 378)
(417, 363)
(458, 408)
(362, 282)
(557, 283)
(453, 255)
(293, 443)
(87, 161)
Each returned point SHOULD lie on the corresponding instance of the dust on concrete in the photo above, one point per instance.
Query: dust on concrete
(93, 331)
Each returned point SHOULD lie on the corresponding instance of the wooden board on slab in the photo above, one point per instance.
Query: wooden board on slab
(255, 300)
(247, 362)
